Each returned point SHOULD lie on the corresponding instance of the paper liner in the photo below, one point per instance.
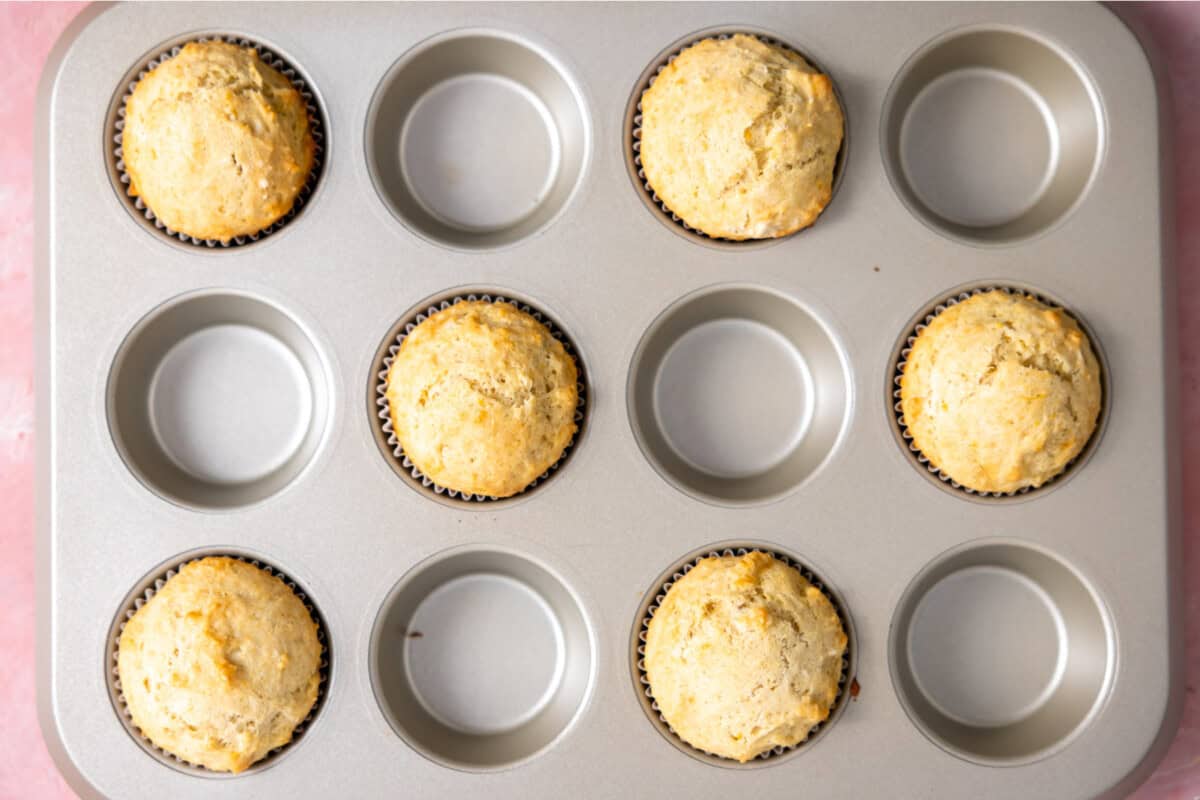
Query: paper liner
(136, 601)
(843, 692)
(383, 416)
(635, 137)
(898, 373)
(316, 125)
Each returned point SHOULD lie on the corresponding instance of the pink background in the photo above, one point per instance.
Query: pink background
(27, 31)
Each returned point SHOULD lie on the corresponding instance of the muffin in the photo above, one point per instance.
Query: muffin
(744, 655)
(739, 138)
(482, 398)
(220, 665)
(1001, 392)
(217, 143)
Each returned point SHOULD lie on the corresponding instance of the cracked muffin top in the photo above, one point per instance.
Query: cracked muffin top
(739, 138)
(744, 655)
(220, 665)
(482, 398)
(216, 143)
(1001, 391)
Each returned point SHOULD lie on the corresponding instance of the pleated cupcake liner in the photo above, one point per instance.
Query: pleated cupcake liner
(316, 123)
(154, 585)
(635, 137)
(922, 460)
(844, 679)
(383, 415)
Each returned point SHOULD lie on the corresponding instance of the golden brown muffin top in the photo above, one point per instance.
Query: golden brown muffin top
(216, 142)
(482, 398)
(220, 665)
(744, 655)
(740, 138)
(1001, 391)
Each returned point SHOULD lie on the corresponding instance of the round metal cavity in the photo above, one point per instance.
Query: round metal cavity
(218, 399)
(140, 594)
(738, 394)
(1001, 652)
(380, 413)
(991, 135)
(654, 597)
(904, 437)
(115, 126)
(477, 139)
(481, 658)
(633, 134)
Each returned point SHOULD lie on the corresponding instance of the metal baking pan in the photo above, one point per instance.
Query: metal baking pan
(197, 398)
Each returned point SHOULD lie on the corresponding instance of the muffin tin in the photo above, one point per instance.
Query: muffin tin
(196, 399)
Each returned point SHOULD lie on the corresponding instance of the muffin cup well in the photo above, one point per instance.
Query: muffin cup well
(116, 126)
(696, 385)
(139, 596)
(904, 437)
(482, 658)
(219, 399)
(1001, 652)
(472, 103)
(992, 134)
(633, 135)
(386, 438)
(649, 606)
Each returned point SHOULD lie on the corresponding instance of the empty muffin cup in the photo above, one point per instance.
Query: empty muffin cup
(896, 412)
(1001, 652)
(738, 394)
(481, 658)
(218, 399)
(140, 595)
(633, 134)
(115, 127)
(641, 682)
(991, 135)
(477, 139)
(381, 418)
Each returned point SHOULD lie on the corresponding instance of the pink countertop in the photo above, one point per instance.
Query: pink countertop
(27, 32)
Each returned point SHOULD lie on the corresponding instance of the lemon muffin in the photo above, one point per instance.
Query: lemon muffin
(482, 398)
(744, 655)
(1001, 392)
(739, 138)
(217, 143)
(220, 665)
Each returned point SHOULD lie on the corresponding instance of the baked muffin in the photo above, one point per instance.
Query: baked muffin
(220, 665)
(482, 398)
(744, 655)
(1001, 392)
(739, 138)
(216, 142)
